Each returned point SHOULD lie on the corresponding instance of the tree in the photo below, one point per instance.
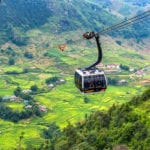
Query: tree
(52, 132)
(1, 99)
(71, 133)
(28, 55)
(21, 137)
(124, 67)
(11, 61)
(16, 35)
(112, 81)
(25, 70)
(86, 100)
(17, 91)
(51, 80)
(34, 88)
(83, 146)
(26, 96)
(118, 42)
(36, 110)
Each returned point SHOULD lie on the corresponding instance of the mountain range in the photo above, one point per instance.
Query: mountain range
(69, 15)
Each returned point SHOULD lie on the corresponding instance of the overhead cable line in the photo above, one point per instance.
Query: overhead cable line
(125, 23)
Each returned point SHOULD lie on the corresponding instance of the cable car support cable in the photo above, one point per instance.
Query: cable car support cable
(89, 35)
(125, 23)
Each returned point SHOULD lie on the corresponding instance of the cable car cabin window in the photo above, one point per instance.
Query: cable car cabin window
(94, 83)
(88, 83)
(78, 80)
(100, 81)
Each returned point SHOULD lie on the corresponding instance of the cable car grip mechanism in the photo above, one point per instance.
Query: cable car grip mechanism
(90, 35)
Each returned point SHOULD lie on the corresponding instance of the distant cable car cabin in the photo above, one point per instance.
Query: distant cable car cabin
(62, 47)
(91, 79)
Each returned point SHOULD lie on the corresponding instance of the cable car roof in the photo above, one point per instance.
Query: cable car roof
(95, 72)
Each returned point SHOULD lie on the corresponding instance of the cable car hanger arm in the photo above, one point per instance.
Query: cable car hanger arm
(90, 35)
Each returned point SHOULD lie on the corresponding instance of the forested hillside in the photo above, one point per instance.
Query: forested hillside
(126, 126)
(60, 16)
(20, 16)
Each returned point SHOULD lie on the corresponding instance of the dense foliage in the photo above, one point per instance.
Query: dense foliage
(51, 80)
(7, 113)
(62, 16)
(105, 130)
(124, 67)
(23, 13)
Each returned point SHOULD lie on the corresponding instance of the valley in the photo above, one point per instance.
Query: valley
(62, 102)
(37, 78)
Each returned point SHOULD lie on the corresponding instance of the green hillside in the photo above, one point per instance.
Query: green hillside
(37, 88)
(60, 16)
(125, 127)
(57, 17)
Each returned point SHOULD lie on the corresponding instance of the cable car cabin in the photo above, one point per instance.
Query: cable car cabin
(90, 81)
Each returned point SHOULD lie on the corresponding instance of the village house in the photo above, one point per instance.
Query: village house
(6, 98)
(11, 98)
(109, 66)
(131, 69)
(123, 81)
(43, 108)
(29, 106)
(112, 66)
(140, 73)
(50, 86)
(100, 65)
(26, 91)
(61, 81)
